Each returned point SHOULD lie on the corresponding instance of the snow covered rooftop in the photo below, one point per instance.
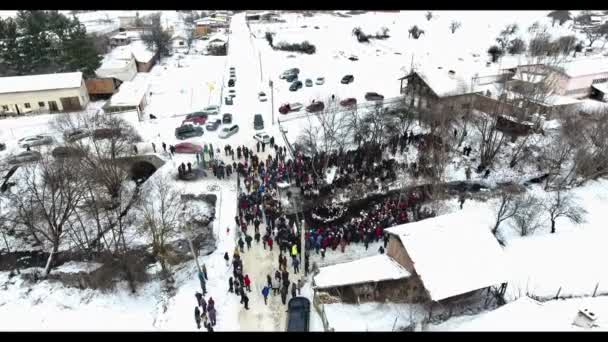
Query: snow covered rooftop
(371, 269)
(603, 87)
(586, 66)
(131, 93)
(17, 84)
(454, 253)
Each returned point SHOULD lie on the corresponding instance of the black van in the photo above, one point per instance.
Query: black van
(298, 314)
(258, 122)
(188, 131)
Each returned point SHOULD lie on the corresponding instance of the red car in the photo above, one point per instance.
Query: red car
(187, 147)
(349, 102)
(284, 109)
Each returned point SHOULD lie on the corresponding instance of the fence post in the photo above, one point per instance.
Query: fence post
(558, 291)
(595, 291)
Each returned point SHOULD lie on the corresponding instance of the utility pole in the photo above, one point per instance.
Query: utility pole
(302, 243)
(272, 99)
(260, 59)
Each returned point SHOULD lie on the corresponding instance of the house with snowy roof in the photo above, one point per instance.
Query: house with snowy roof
(47, 93)
(446, 259)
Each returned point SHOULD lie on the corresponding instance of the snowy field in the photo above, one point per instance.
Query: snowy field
(572, 259)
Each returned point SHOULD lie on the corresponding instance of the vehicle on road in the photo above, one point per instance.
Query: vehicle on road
(298, 314)
(228, 100)
(213, 125)
(35, 140)
(24, 157)
(231, 83)
(262, 96)
(308, 82)
(290, 107)
(315, 107)
(232, 93)
(353, 58)
(291, 78)
(349, 102)
(258, 121)
(320, 80)
(67, 152)
(188, 131)
(289, 72)
(347, 79)
(187, 147)
(76, 134)
(211, 110)
(262, 137)
(371, 96)
(227, 118)
(2, 147)
(232, 68)
(106, 133)
(198, 118)
(228, 131)
(295, 86)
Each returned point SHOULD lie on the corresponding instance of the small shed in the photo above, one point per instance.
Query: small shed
(132, 96)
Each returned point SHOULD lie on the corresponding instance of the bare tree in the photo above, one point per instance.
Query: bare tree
(157, 38)
(562, 204)
(455, 25)
(592, 34)
(504, 38)
(415, 32)
(50, 192)
(190, 37)
(492, 140)
(507, 207)
(428, 15)
(527, 217)
(160, 208)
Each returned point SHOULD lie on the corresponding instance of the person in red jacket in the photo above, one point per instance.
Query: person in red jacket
(270, 242)
(247, 282)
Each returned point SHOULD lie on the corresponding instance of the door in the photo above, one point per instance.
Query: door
(53, 106)
(70, 104)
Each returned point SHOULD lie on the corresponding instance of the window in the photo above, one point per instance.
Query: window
(181, 43)
(41, 104)
(5, 107)
(27, 105)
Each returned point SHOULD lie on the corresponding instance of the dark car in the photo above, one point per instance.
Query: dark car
(213, 125)
(2, 147)
(188, 131)
(291, 77)
(373, 97)
(353, 58)
(227, 118)
(347, 79)
(349, 102)
(231, 82)
(106, 133)
(295, 86)
(67, 152)
(298, 314)
(258, 121)
(24, 157)
(315, 107)
(76, 134)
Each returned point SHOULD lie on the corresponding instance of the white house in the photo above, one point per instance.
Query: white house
(179, 41)
(132, 96)
(43, 93)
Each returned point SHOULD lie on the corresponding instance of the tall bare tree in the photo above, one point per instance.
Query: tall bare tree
(528, 216)
(507, 207)
(455, 25)
(562, 204)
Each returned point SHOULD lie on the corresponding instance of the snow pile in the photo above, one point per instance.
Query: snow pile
(16, 84)
(372, 316)
(77, 267)
(371, 269)
(454, 253)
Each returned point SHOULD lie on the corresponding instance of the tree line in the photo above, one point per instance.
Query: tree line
(38, 42)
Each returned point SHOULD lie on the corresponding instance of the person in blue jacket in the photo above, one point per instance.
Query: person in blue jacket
(265, 292)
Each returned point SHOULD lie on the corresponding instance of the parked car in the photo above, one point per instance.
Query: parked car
(349, 102)
(213, 125)
(232, 68)
(24, 157)
(188, 131)
(353, 58)
(232, 93)
(308, 82)
(258, 121)
(290, 107)
(187, 147)
(347, 79)
(231, 83)
(76, 134)
(228, 100)
(106, 133)
(228, 131)
(35, 140)
(262, 96)
(315, 107)
(211, 110)
(67, 152)
(227, 118)
(295, 86)
(320, 80)
(2, 147)
(262, 137)
(290, 72)
(291, 78)
(298, 314)
(198, 118)
(373, 97)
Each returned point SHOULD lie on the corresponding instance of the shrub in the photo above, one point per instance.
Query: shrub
(304, 47)
(269, 37)
(517, 46)
(495, 52)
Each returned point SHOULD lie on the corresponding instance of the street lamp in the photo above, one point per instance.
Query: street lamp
(271, 99)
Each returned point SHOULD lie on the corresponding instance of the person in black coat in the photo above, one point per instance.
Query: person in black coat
(248, 241)
(293, 290)
(284, 295)
(199, 297)
(231, 285)
(197, 317)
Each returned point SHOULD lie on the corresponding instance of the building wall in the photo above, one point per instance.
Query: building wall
(33, 98)
(101, 86)
(582, 82)
(202, 30)
(396, 250)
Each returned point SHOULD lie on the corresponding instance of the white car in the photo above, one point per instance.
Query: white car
(296, 106)
(320, 80)
(262, 96)
(228, 131)
(262, 137)
(35, 140)
(211, 110)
